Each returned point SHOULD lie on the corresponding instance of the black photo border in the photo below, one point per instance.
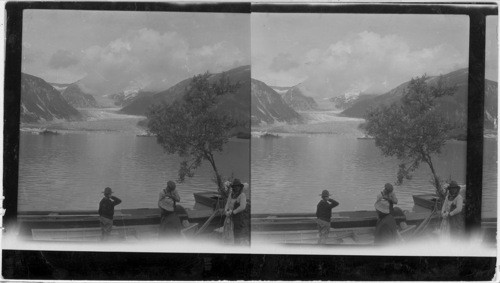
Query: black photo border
(116, 265)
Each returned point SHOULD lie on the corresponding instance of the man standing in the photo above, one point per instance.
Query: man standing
(324, 215)
(106, 212)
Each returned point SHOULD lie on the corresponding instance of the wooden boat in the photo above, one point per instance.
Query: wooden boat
(129, 233)
(71, 222)
(426, 200)
(209, 199)
(307, 221)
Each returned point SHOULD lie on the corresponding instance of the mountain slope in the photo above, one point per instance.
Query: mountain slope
(42, 102)
(298, 101)
(454, 107)
(269, 107)
(237, 104)
(76, 97)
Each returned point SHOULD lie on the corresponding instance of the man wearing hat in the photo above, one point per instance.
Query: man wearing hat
(324, 215)
(237, 208)
(452, 209)
(106, 212)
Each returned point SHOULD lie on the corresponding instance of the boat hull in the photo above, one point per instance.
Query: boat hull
(210, 199)
(30, 220)
(426, 200)
(307, 221)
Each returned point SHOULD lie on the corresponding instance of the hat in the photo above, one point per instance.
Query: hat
(388, 187)
(325, 193)
(453, 185)
(382, 206)
(236, 183)
(107, 191)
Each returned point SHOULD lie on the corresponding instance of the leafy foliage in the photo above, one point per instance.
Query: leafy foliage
(193, 127)
(412, 130)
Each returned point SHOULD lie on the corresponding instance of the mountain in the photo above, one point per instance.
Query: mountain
(42, 102)
(268, 106)
(453, 107)
(124, 98)
(75, 96)
(298, 101)
(236, 104)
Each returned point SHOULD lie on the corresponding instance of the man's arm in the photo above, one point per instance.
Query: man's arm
(393, 198)
(458, 209)
(243, 204)
(175, 196)
(333, 203)
(117, 201)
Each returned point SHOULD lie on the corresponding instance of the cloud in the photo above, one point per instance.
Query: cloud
(283, 62)
(62, 59)
(146, 59)
(368, 62)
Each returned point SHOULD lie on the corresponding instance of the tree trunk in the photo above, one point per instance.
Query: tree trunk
(437, 183)
(211, 159)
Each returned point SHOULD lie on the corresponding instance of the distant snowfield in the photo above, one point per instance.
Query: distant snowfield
(317, 122)
(96, 120)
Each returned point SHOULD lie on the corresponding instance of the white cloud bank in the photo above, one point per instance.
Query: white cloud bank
(143, 58)
(367, 62)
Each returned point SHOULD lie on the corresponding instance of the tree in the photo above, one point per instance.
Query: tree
(193, 127)
(413, 129)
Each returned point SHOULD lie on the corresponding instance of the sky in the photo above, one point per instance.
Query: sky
(333, 54)
(111, 50)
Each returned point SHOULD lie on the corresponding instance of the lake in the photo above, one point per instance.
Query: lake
(70, 171)
(289, 173)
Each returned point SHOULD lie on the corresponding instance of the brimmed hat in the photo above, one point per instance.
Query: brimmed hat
(107, 191)
(236, 183)
(453, 185)
(325, 193)
(382, 206)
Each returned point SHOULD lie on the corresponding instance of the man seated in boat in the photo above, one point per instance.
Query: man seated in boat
(173, 216)
(388, 195)
(106, 212)
(386, 231)
(324, 215)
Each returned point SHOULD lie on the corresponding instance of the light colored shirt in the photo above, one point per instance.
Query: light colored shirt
(458, 201)
(241, 199)
(166, 199)
(391, 196)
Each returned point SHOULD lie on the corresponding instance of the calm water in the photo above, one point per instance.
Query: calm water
(70, 171)
(289, 173)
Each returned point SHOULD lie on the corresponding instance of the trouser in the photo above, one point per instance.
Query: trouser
(241, 228)
(106, 226)
(324, 230)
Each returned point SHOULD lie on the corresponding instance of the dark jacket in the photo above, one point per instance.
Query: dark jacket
(324, 209)
(107, 206)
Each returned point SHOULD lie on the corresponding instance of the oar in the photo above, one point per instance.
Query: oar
(205, 225)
